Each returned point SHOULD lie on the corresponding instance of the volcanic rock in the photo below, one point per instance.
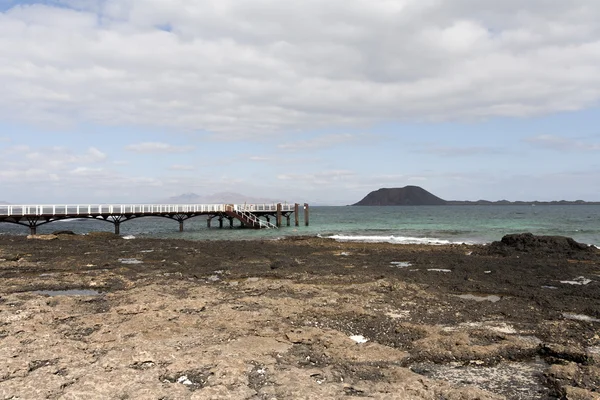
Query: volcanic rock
(406, 196)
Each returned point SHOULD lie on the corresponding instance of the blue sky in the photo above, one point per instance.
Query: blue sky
(320, 102)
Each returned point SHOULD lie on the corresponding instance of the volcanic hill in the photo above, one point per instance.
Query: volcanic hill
(406, 196)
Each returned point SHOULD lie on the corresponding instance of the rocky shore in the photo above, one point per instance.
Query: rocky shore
(101, 317)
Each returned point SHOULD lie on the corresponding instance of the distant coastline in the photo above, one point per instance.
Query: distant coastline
(521, 203)
(417, 196)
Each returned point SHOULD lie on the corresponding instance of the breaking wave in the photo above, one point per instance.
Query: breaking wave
(393, 239)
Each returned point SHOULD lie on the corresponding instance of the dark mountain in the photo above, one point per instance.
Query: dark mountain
(406, 196)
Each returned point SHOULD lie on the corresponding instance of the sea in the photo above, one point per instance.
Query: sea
(403, 224)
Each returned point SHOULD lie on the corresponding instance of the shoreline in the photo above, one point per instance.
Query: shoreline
(275, 318)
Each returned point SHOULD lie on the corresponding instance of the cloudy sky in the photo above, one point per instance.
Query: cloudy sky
(315, 101)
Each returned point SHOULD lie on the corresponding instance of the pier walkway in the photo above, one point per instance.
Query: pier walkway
(250, 215)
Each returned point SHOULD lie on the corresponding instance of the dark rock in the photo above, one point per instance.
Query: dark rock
(529, 243)
(63, 233)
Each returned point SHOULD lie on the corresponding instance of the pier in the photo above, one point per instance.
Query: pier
(254, 216)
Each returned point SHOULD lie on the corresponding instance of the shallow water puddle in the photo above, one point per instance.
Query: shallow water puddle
(439, 270)
(492, 297)
(68, 292)
(580, 317)
(515, 380)
(580, 280)
(500, 327)
(401, 264)
(130, 261)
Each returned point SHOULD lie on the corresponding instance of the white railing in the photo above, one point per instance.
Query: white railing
(255, 220)
(75, 210)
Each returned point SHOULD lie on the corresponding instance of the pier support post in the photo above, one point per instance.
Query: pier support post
(296, 216)
(287, 217)
(208, 220)
(306, 214)
(278, 221)
(181, 226)
(230, 222)
(221, 222)
(117, 228)
(32, 221)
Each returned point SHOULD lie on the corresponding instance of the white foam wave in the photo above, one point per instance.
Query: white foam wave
(391, 239)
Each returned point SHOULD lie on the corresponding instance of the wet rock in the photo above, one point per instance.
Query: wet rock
(12, 257)
(572, 380)
(528, 243)
(556, 353)
(63, 233)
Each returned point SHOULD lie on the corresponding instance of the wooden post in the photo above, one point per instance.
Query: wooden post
(305, 214)
(296, 216)
(278, 222)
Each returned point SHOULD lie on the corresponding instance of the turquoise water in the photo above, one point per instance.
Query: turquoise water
(423, 224)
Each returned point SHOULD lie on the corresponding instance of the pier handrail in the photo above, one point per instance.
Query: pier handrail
(247, 213)
(97, 209)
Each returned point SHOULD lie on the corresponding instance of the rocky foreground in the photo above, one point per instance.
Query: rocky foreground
(100, 317)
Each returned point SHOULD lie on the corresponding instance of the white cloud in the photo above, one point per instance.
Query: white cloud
(261, 67)
(322, 178)
(86, 171)
(462, 151)
(559, 143)
(179, 167)
(326, 141)
(96, 155)
(157, 147)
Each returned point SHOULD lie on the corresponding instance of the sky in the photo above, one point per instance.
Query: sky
(319, 101)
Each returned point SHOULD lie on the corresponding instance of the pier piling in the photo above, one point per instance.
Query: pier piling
(278, 221)
(296, 217)
(306, 214)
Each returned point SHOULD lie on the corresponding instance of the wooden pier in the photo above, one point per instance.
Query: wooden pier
(254, 216)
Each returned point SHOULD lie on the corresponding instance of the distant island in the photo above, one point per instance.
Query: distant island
(417, 196)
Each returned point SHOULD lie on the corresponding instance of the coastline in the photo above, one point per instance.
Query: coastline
(274, 318)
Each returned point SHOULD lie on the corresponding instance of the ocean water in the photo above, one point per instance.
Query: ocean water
(405, 224)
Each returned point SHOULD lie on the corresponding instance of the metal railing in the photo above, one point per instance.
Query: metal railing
(103, 209)
(255, 220)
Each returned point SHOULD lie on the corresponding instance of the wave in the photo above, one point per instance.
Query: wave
(394, 239)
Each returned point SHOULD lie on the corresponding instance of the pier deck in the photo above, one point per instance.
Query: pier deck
(250, 215)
